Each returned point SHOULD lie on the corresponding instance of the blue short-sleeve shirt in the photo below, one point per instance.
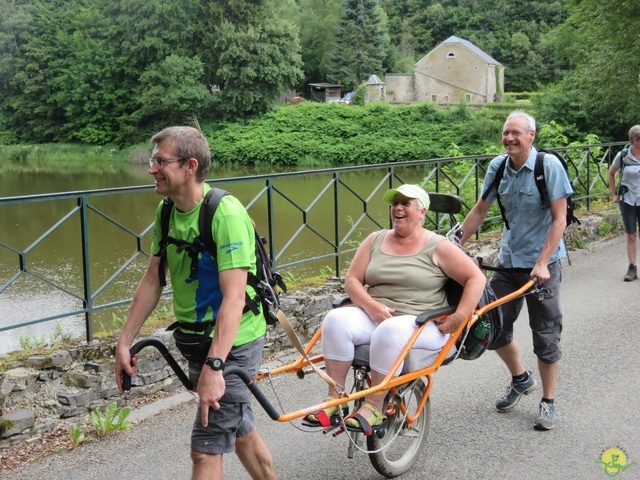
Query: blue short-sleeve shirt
(529, 223)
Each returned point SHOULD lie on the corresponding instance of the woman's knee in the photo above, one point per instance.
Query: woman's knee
(334, 325)
(390, 335)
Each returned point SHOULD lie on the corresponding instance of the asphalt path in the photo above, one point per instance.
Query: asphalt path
(598, 398)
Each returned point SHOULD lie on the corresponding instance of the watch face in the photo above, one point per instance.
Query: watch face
(215, 363)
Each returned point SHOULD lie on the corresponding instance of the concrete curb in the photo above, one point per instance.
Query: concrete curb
(161, 405)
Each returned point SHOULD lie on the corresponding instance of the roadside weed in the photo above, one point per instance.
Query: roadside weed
(114, 419)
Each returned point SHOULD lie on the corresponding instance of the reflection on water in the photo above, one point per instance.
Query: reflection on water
(303, 220)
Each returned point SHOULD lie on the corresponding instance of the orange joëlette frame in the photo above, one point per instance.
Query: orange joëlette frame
(389, 382)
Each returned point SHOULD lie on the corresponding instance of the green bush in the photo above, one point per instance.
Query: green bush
(336, 134)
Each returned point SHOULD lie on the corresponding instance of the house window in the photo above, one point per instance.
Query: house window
(468, 98)
(451, 55)
(434, 98)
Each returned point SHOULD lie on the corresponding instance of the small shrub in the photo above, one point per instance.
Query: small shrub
(327, 271)
(19, 155)
(113, 420)
(605, 228)
(60, 335)
(76, 436)
(290, 277)
(31, 342)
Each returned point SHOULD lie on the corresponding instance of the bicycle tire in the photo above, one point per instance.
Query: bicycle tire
(404, 449)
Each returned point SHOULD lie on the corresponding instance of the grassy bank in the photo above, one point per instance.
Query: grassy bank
(65, 158)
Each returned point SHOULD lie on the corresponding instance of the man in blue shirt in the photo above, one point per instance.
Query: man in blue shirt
(532, 241)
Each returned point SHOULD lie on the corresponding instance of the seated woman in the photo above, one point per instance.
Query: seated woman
(395, 275)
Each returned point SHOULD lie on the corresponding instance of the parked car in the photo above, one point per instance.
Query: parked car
(348, 98)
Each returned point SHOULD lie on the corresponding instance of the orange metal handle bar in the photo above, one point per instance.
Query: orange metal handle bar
(507, 298)
(390, 381)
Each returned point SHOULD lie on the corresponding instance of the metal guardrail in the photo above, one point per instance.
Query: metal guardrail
(588, 166)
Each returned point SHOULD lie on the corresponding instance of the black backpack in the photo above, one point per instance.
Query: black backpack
(484, 332)
(265, 282)
(541, 184)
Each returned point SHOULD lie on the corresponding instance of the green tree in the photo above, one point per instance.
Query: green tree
(257, 62)
(157, 38)
(88, 77)
(250, 53)
(29, 98)
(359, 45)
(101, 71)
(173, 92)
(317, 22)
(603, 93)
(155, 29)
(16, 20)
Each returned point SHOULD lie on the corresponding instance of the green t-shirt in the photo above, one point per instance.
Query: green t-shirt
(196, 301)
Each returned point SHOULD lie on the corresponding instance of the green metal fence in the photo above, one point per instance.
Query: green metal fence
(349, 207)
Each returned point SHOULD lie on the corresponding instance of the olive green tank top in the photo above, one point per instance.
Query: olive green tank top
(410, 284)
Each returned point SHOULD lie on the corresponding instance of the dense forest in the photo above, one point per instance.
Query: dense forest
(112, 71)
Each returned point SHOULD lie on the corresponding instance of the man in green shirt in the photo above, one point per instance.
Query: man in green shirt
(179, 164)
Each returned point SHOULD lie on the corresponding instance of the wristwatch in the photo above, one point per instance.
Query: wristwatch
(215, 363)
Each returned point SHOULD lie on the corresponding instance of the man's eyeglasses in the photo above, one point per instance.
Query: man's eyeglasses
(161, 162)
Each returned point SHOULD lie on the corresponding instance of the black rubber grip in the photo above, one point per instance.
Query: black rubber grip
(230, 370)
(164, 351)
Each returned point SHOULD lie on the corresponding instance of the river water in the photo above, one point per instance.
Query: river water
(56, 258)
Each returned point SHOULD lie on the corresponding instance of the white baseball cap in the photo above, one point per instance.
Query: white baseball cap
(408, 191)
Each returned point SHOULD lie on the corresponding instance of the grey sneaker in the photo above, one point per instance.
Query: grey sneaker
(632, 273)
(515, 391)
(547, 416)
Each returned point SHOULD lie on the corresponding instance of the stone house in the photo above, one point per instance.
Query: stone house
(376, 89)
(454, 71)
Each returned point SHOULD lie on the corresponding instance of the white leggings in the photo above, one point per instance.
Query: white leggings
(344, 328)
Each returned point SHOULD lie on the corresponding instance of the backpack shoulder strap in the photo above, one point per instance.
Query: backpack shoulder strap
(623, 154)
(165, 215)
(496, 182)
(541, 183)
(207, 211)
(497, 179)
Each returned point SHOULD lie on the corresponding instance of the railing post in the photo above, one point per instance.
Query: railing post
(336, 221)
(271, 227)
(588, 178)
(86, 267)
(392, 173)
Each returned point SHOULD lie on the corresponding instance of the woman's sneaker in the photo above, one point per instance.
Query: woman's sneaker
(546, 416)
(515, 390)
